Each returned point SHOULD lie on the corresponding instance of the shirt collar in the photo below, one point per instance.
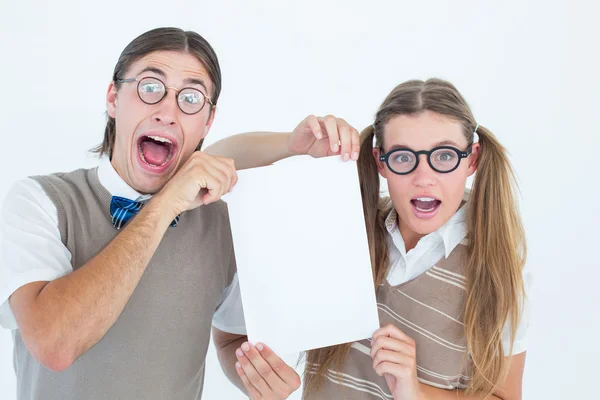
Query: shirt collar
(451, 233)
(116, 186)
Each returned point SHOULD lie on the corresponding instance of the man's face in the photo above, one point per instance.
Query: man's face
(153, 141)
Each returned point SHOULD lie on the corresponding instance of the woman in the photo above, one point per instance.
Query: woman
(448, 264)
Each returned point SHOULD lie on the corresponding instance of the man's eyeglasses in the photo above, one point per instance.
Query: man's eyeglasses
(153, 90)
(442, 159)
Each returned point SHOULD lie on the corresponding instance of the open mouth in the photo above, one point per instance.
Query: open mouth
(156, 151)
(426, 204)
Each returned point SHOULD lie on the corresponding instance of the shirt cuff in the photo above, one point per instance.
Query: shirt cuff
(519, 346)
(237, 330)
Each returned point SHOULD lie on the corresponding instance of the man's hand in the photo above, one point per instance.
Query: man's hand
(203, 179)
(264, 374)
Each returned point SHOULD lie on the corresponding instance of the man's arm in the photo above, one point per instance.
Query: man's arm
(61, 319)
(226, 344)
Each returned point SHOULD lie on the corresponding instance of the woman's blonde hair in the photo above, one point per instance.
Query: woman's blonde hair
(497, 248)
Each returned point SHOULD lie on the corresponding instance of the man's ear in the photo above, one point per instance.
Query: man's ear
(209, 122)
(111, 99)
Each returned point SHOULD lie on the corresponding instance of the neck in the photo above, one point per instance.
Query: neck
(123, 176)
(410, 237)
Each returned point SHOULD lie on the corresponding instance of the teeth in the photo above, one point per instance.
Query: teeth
(425, 199)
(425, 210)
(160, 139)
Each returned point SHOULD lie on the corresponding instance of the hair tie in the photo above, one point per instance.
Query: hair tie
(475, 135)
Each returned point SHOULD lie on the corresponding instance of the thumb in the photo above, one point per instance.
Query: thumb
(209, 196)
(390, 380)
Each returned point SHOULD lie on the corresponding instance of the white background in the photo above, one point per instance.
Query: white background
(528, 68)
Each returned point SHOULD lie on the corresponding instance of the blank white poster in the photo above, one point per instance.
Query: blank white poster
(302, 254)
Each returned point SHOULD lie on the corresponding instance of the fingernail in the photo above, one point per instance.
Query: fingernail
(239, 353)
(238, 366)
(335, 148)
(355, 156)
(246, 347)
(260, 347)
(346, 156)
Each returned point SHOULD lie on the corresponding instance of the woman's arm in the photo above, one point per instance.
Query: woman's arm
(510, 390)
(314, 136)
(253, 149)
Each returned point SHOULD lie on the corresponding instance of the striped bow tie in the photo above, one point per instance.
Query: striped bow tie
(122, 210)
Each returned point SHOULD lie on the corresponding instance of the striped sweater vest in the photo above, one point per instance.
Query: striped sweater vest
(430, 310)
(156, 349)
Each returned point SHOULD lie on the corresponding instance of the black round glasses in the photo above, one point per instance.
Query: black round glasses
(442, 159)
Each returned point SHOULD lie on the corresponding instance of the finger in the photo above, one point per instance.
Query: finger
(227, 167)
(253, 376)
(388, 343)
(264, 369)
(222, 172)
(209, 196)
(234, 178)
(217, 181)
(284, 371)
(315, 127)
(394, 332)
(345, 139)
(252, 391)
(234, 181)
(355, 139)
(209, 185)
(393, 357)
(397, 370)
(332, 131)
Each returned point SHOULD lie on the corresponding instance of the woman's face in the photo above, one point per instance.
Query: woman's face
(426, 199)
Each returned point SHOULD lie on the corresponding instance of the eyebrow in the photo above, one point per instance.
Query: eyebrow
(186, 81)
(438, 144)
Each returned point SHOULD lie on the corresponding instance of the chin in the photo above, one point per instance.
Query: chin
(425, 228)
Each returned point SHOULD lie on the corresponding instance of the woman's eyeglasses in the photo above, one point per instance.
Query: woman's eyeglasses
(442, 159)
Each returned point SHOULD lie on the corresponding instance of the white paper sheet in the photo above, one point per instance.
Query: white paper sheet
(302, 254)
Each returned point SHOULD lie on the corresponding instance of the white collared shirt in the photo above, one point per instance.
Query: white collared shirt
(32, 250)
(430, 249)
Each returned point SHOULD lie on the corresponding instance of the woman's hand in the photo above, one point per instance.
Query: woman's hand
(394, 357)
(325, 136)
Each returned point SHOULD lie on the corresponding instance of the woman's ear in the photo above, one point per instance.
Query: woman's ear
(111, 100)
(380, 164)
(473, 158)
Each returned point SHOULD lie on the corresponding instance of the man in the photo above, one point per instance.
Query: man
(115, 274)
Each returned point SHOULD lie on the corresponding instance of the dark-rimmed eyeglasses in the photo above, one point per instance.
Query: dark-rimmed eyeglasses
(153, 90)
(442, 159)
